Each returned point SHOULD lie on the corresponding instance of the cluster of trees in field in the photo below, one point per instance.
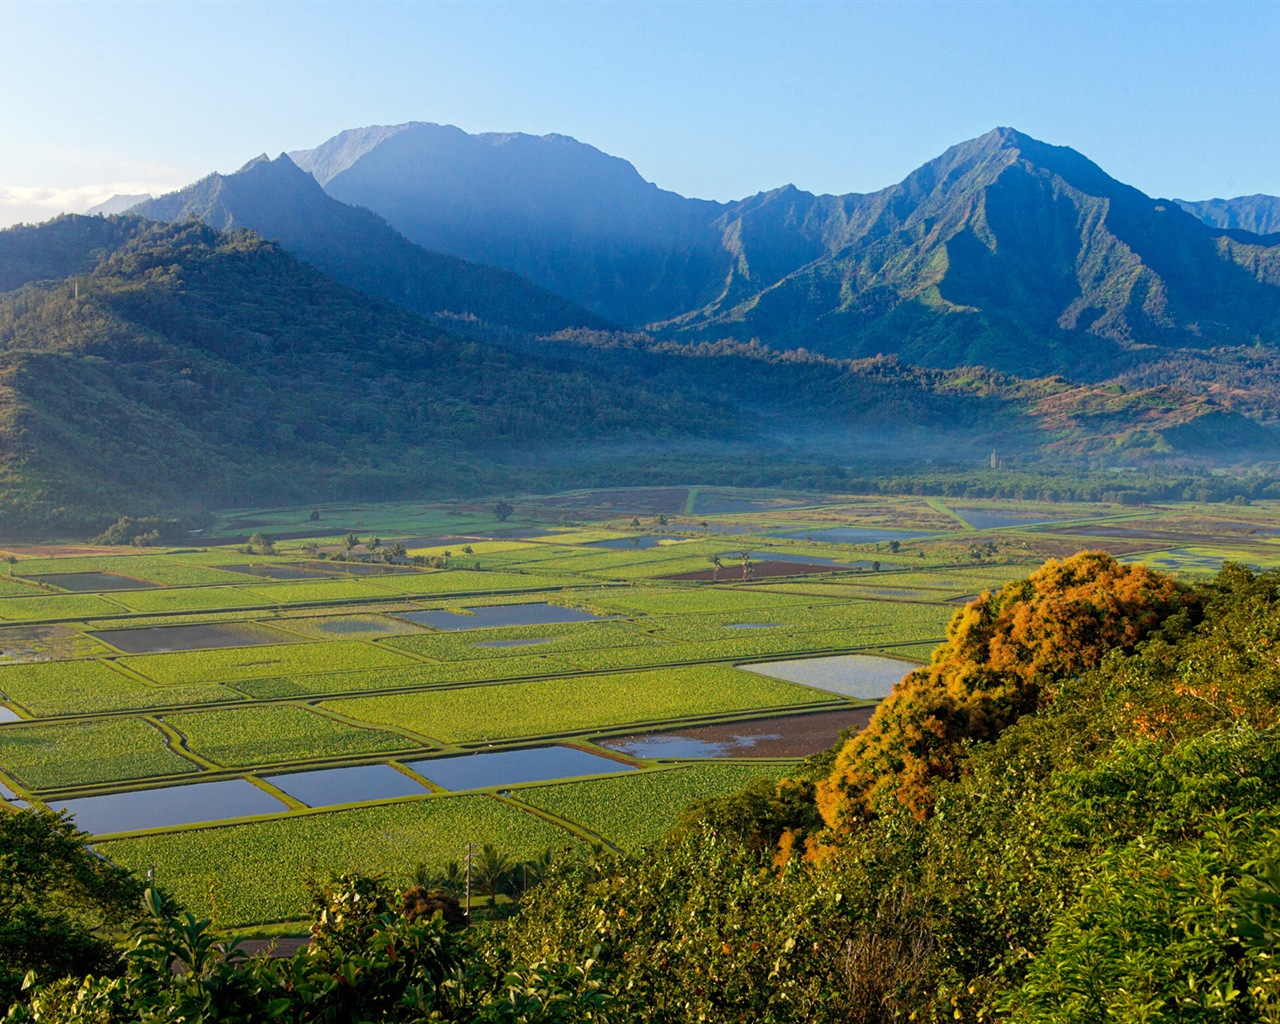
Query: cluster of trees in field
(1072, 814)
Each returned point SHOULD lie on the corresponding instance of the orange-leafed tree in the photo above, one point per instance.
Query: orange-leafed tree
(1003, 654)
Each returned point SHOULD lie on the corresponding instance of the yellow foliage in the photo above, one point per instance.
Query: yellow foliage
(1001, 659)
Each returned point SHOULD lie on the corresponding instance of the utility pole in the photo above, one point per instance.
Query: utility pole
(468, 848)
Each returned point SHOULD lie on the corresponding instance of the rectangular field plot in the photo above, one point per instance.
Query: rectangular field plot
(349, 627)
(468, 581)
(95, 582)
(409, 674)
(86, 687)
(64, 754)
(187, 599)
(526, 640)
(256, 662)
(258, 871)
(274, 733)
(165, 639)
(537, 613)
(547, 707)
(158, 568)
(59, 606)
(169, 806)
(633, 811)
(691, 600)
(319, 591)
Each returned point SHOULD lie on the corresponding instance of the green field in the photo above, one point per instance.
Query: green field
(475, 714)
(243, 737)
(85, 753)
(258, 871)
(346, 680)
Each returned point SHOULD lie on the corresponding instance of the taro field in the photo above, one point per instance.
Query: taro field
(415, 678)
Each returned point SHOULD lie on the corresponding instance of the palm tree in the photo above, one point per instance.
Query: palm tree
(491, 872)
(398, 550)
(12, 560)
(715, 566)
(350, 541)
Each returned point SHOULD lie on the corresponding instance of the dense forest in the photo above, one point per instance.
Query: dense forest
(1069, 815)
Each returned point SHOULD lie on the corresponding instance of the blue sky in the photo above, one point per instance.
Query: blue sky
(717, 100)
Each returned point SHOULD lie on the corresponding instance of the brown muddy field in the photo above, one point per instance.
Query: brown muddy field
(779, 736)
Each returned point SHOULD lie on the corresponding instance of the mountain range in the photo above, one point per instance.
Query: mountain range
(416, 310)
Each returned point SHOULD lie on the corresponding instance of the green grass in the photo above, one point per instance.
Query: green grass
(86, 687)
(83, 753)
(231, 663)
(275, 733)
(11, 587)
(636, 810)
(258, 871)
(473, 714)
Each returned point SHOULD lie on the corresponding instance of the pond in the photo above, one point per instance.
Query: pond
(854, 534)
(163, 639)
(753, 625)
(169, 806)
(862, 676)
(324, 787)
(637, 543)
(8, 715)
(93, 582)
(779, 736)
(509, 767)
(540, 614)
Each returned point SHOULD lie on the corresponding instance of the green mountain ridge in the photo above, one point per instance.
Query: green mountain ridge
(1004, 251)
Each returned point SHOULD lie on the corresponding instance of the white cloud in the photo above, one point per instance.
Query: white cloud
(35, 203)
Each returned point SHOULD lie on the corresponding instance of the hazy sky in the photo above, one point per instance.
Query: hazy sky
(716, 100)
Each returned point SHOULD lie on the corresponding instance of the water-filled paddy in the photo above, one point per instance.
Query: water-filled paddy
(93, 582)
(861, 676)
(276, 572)
(538, 614)
(638, 543)
(164, 639)
(780, 736)
(993, 519)
(169, 806)
(752, 625)
(511, 767)
(326, 787)
(354, 568)
(9, 715)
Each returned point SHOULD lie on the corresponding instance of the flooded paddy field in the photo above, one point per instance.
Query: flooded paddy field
(513, 767)
(779, 736)
(93, 582)
(861, 676)
(169, 806)
(327, 787)
(164, 639)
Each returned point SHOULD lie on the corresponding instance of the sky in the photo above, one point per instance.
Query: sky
(709, 99)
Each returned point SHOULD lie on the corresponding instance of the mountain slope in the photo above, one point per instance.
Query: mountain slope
(569, 217)
(1258, 214)
(192, 368)
(358, 248)
(1004, 251)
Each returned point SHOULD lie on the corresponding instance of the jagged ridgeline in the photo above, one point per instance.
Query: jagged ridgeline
(177, 365)
(1003, 251)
